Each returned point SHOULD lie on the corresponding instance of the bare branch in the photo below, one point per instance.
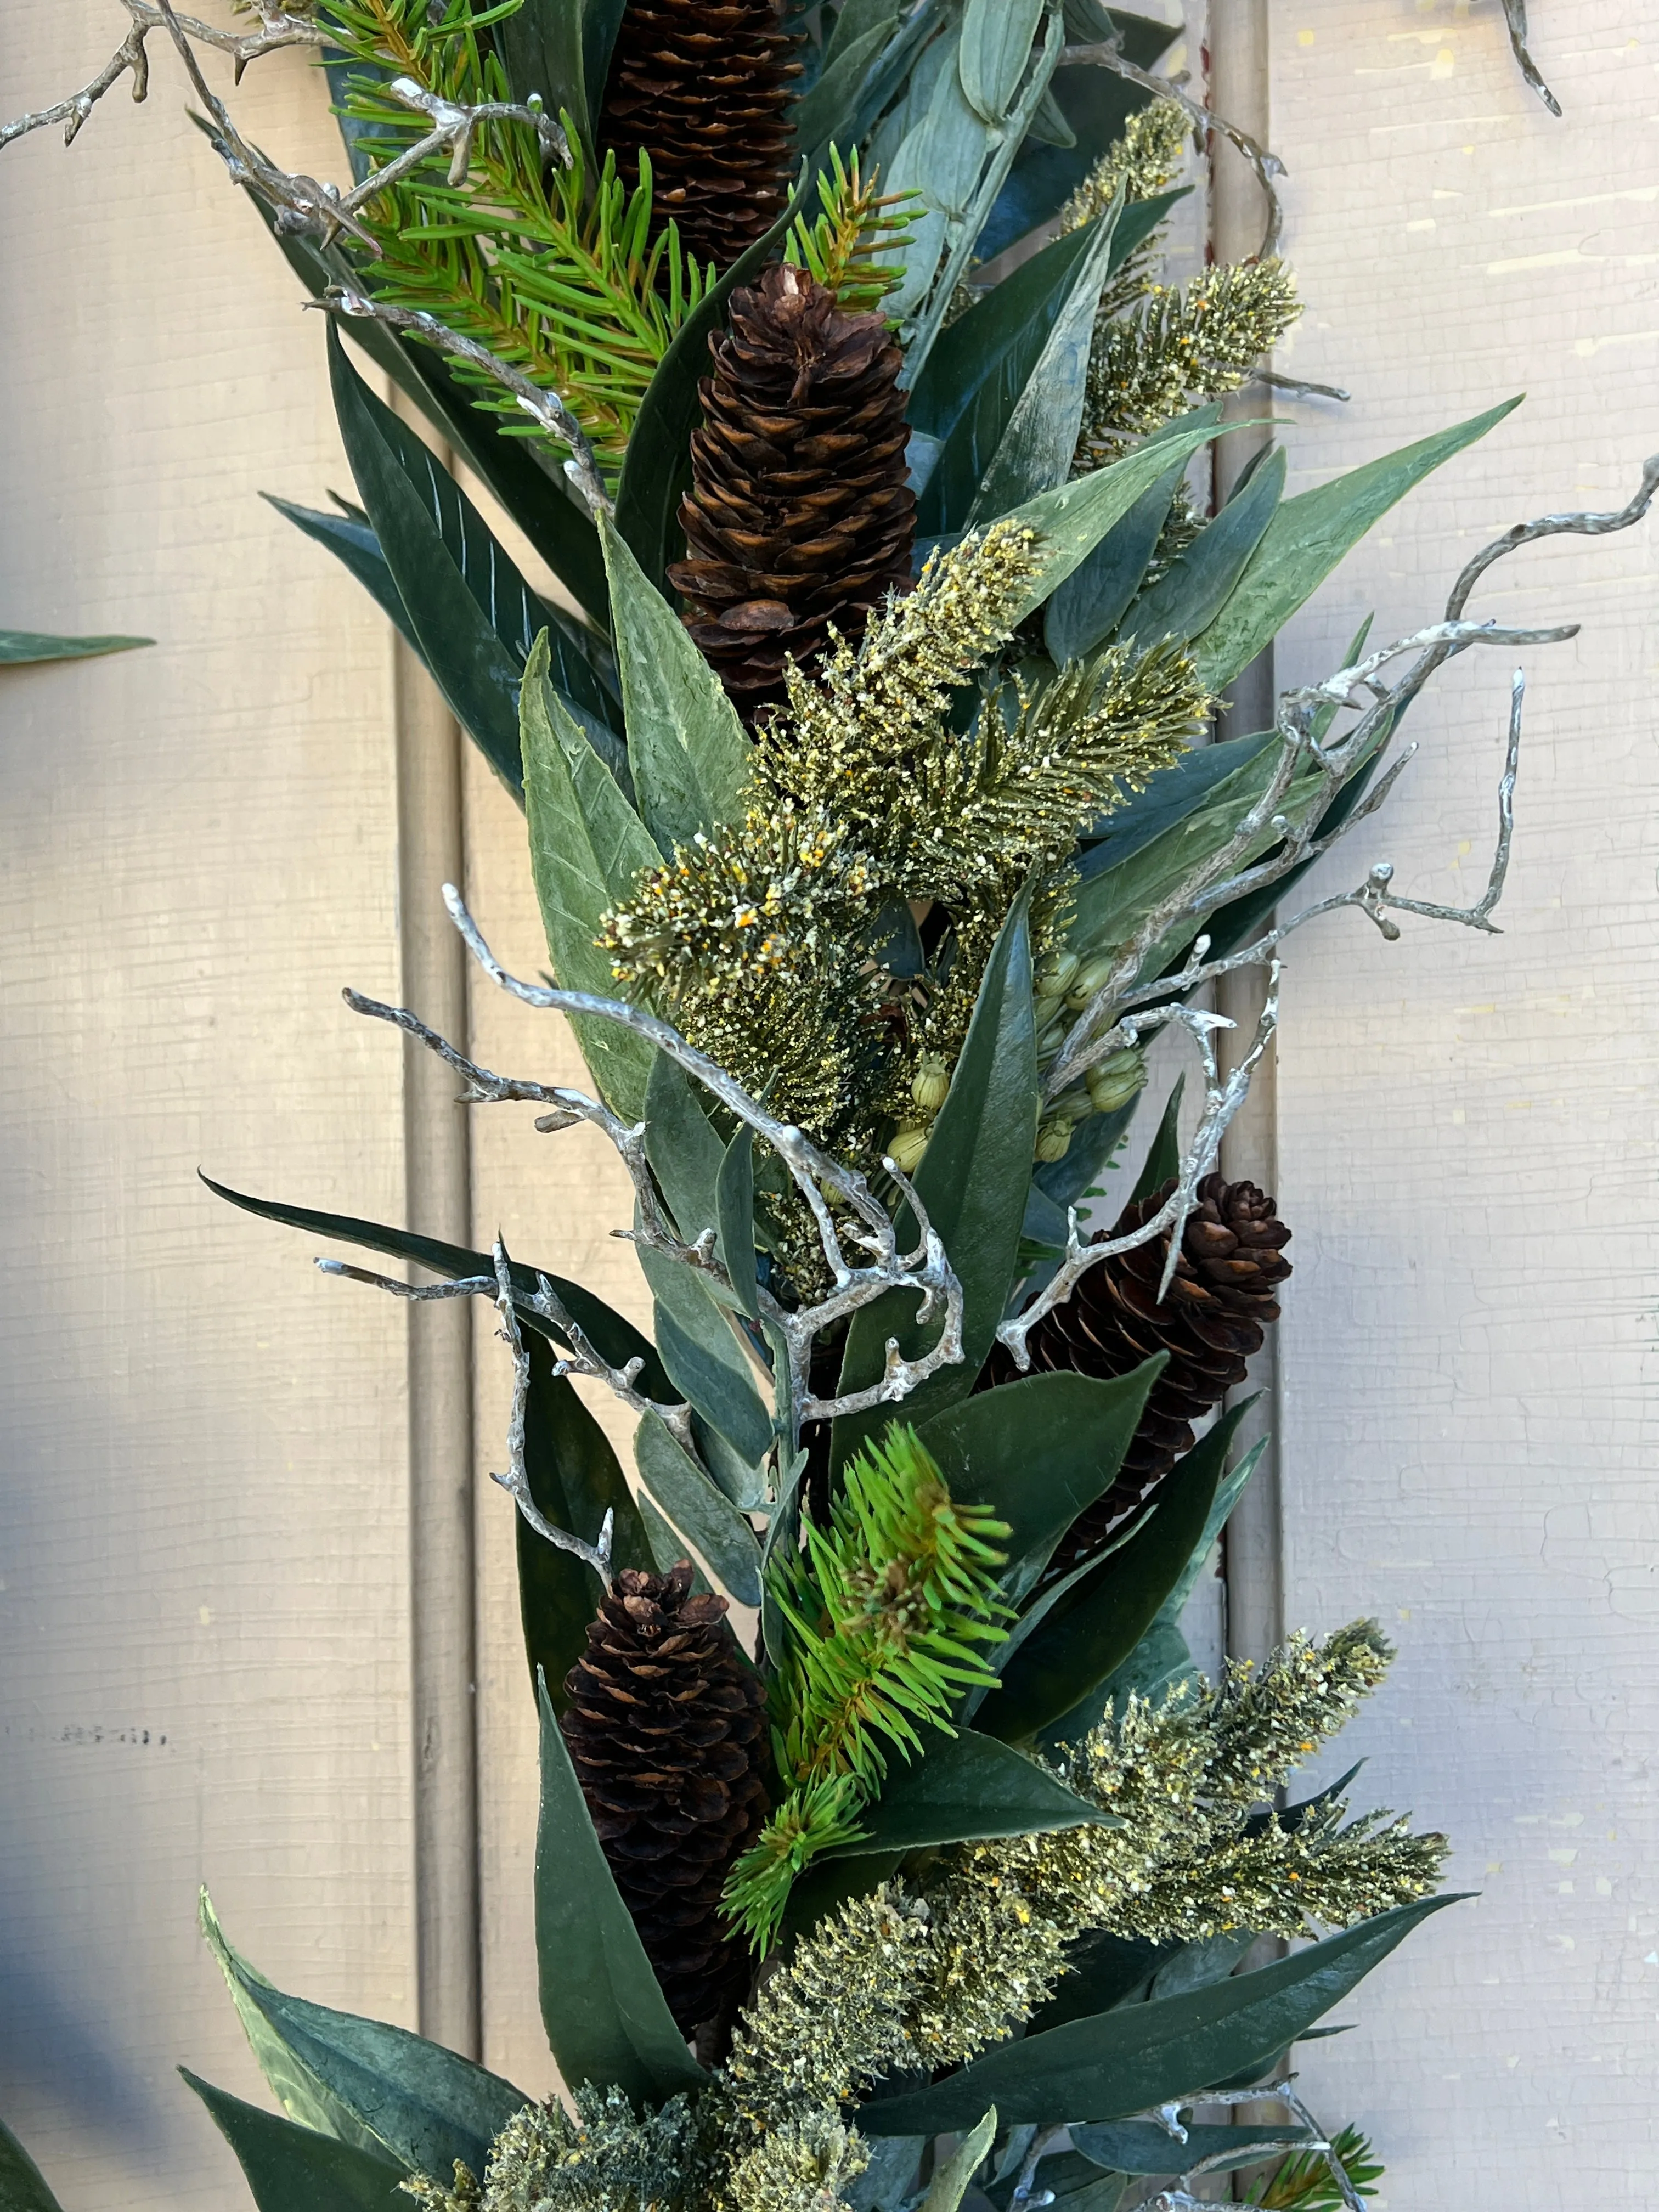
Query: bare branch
(1108, 54)
(516, 1480)
(278, 29)
(1515, 15)
(544, 407)
(1298, 386)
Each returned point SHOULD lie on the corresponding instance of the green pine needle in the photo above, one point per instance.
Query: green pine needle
(1303, 2181)
(840, 248)
(888, 1610)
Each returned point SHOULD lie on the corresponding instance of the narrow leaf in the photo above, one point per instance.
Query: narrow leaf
(1197, 584)
(22, 2185)
(735, 1196)
(287, 2168)
(950, 2183)
(965, 1786)
(1162, 1161)
(355, 544)
(605, 2012)
(683, 1148)
(20, 647)
(702, 1513)
(702, 1352)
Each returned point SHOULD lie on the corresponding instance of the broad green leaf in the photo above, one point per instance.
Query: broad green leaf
(615, 1338)
(819, 116)
(1197, 584)
(1163, 1161)
(685, 745)
(22, 2185)
(363, 2081)
(355, 544)
(1089, 1632)
(1131, 2060)
(1309, 535)
(950, 2183)
(1038, 1452)
(701, 1512)
(735, 1196)
(965, 1786)
(562, 49)
(586, 847)
(973, 1179)
(942, 160)
(1072, 519)
(474, 618)
(1106, 1970)
(658, 468)
(1174, 792)
(701, 1351)
(996, 44)
(1142, 2146)
(668, 1548)
(574, 1480)
(1095, 103)
(287, 2167)
(20, 647)
(683, 1148)
(1037, 450)
(605, 2013)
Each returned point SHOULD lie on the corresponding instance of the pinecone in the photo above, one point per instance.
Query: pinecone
(800, 511)
(1212, 1321)
(703, 88)
(666, 1727)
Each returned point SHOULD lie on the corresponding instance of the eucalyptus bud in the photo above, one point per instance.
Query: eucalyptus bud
(1114, 1081)
(1054, 978)
(906, 1149)
(1053, 1141)
(1090, 978)
(931, 1085)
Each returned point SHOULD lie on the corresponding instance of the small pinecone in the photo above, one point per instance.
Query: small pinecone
(800, 513)
(666, 1727)
(703, 88)
(1212, 1321)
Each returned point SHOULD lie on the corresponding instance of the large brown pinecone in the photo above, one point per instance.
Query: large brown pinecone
(666, 1727)
(703, 88)
(1212, 1321)
(800, 513)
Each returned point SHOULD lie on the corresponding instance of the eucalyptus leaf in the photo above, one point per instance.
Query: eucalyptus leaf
(605, 2015)
(1037, 450)
(683, 1148)
(1170, 795)
(699, 1509)
(1310, 534)
(1131, 2060)
(701, 1351)
(735, 1198)
(996, 46)
(363, 2082)
(685, 745)
(1198, 583)
(586, 846)
(1038, 1452)
(287, 2168)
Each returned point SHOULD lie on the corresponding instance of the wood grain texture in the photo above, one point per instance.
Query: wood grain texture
(204, 1623)
(1467, 1126)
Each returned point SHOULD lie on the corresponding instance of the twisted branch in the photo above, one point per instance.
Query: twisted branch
(1515, 15)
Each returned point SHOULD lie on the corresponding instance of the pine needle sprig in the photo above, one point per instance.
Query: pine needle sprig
(889, 1609)
(554, 271)
(1303, 2181)
(838, 249)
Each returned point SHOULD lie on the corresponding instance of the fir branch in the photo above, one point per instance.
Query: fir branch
(887, 1611)
(840, 248)
(1304, 2182)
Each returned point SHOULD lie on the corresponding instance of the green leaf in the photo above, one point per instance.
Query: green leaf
(1163, 1161)
(574, 1480)
(668, 1551)
(22, 2185)
(1196, 586)
(702, 1352)
(658, 468)
(615, 1337)
(701, 1512)
(685, 745)
(376, 2086)
(20, 647)
(966, 1786)
(1038, 1452)
(996, 44)
(562, 49)
(586, 846)
(1072, 519)
(1309, 535)
(683, 1147)
(735, 1199)
(950, 2183)
(474, 618)
(1174, 792)
(290, 2169)
(1037, 450)
(605, 2015)
(819, 116)
(973, 1179)
(355, 544)
(1091, 1630)
(1089, 606)
(1134, 2059)
(1141, 2146)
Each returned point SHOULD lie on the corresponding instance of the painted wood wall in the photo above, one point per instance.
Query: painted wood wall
(205, 1633)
